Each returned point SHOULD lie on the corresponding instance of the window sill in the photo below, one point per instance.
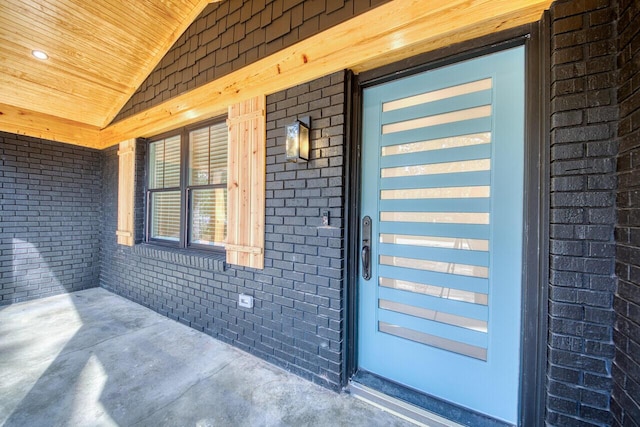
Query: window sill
(188, 257)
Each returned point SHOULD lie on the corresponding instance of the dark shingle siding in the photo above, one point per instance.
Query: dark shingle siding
(231, 34)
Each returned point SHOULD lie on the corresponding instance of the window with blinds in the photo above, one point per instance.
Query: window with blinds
(208, 185)
(187, 194)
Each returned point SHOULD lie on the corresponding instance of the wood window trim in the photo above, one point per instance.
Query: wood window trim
(246, 183)
(245, 186)
(125, 234)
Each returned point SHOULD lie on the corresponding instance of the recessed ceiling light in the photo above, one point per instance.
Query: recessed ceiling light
(40, 54)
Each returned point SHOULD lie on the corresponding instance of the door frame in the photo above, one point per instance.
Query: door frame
(535, 38)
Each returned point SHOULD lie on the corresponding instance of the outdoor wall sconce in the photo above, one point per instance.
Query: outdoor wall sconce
(297, 140)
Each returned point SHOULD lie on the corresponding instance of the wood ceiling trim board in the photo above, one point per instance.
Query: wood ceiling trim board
(386, 34)
(25, 122)
(163, 47)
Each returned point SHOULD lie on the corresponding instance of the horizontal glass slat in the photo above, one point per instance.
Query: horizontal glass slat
(452, 156)
(437, 180)
(464, 283)
(435, 95)
(437, 217)
(447, 267)
(441, 131)
(441, 292)
(435, 303)
(438, 119)
(472, 191)
(434, 315)
(437, 144)
(437, 205)
(453, 333)
(469, 231)
(445, 344)
(436, 242)
(442, 106)
(444, 168)
(479, 258)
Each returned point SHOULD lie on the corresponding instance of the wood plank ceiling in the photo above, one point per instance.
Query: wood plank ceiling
(99, 51)
(102, 50)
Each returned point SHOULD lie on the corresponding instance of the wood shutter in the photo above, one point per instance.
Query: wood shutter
(246, 183)
(126, 190)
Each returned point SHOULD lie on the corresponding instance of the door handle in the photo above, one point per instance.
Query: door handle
(365, 259)
(366, 248)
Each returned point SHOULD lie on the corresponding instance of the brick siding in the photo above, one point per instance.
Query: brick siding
(626, 368)
(231, 34)
(297, 321)
(59, 207)
(583, 182)
(50, 222)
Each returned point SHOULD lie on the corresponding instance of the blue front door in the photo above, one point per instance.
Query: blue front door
(442, 174)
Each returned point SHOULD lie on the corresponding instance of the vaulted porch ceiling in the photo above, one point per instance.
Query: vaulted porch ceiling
(75, 100)
(99, 53)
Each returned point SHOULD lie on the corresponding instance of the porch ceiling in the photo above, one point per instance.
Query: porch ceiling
(91, 74)
(99, 54)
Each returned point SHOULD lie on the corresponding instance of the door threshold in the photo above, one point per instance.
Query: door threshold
(415, 406)
(398, 407)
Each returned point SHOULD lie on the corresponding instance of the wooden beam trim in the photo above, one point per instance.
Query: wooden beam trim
(39, 125)
(386, 33)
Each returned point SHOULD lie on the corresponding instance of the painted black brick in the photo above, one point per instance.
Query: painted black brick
(51, 218)
(231, 34)
(625, 403)
(299, 300)
(583, 151)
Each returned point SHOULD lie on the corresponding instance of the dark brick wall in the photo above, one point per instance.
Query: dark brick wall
(626, 368)
(233, 33)
(582, 216)
(297, 321)
(50, 223)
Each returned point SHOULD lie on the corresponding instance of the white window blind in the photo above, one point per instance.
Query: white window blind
(207, 185)
(164, 174)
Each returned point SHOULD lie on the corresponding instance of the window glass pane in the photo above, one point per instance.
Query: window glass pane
(218, 153)
(208, 155)
(165, 215)
(172, 162)
(156, 164)
(199, 157)
(208, 216)
(164, 163)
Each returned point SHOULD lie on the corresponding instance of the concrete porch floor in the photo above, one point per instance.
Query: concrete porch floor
(92, 358)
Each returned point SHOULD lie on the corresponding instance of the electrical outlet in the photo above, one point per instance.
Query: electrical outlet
(245, 301)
